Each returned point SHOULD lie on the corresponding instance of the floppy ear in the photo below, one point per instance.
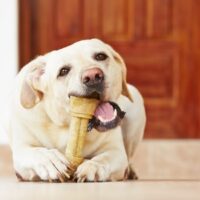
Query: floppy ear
(118, 58)
(31, 93)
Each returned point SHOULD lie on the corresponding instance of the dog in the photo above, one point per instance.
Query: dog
(39, 114)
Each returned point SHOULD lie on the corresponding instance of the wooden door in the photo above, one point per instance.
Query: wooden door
(159, 40)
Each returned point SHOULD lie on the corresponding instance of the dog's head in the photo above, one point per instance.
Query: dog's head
(88, 68)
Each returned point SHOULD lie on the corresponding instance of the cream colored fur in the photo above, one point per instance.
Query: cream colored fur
(39, 120)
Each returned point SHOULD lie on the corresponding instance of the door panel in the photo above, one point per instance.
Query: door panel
(158, 39)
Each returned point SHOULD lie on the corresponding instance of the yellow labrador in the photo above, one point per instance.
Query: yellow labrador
(40, 119)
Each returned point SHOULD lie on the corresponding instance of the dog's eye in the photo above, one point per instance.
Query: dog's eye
(64, 71)
(100, 56)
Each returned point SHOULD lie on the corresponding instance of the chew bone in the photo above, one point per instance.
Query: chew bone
(82, 110)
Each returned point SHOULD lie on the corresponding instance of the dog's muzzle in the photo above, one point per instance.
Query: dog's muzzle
(108, 115)
(93, 79)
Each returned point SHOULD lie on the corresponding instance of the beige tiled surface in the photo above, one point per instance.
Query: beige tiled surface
(138, 190)
(168, 159)
(6, 168)
(167, 170)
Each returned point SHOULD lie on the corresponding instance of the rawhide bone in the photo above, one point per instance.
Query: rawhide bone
(82, 110)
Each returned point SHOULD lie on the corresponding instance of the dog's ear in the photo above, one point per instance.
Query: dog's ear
(31, 91)
(118, 59)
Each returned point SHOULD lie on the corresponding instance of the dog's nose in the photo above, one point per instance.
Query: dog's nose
(92, 77)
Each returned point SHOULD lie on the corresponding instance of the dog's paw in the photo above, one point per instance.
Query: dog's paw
(42, 164)
(91, 171)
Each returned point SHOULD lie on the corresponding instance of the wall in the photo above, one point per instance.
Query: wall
(8, 50)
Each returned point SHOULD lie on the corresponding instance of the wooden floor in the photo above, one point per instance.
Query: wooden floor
(150, 186)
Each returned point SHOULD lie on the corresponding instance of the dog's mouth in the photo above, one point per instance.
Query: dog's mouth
(105, 112)
(108, 115)
(93, 95)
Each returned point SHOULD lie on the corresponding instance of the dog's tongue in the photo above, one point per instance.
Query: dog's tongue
(104, 111)
(107, 116)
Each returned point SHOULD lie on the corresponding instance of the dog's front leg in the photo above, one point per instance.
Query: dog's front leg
(109, 164)
(39, 163)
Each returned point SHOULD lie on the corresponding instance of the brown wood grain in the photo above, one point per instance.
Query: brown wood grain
(24, 32)
(158, 39)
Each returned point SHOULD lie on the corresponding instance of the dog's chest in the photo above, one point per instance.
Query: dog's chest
(52, 136)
